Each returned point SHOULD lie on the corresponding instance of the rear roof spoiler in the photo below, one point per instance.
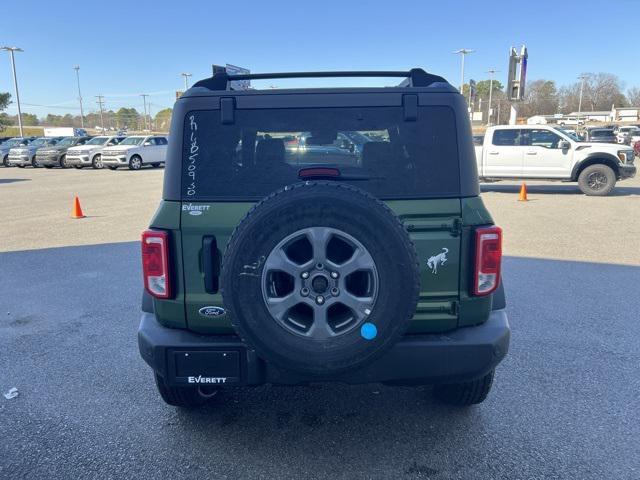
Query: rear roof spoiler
(416, 77)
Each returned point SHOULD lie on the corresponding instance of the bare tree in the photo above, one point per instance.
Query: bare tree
(633, 96)
(601, 91)
(604, 90)
(541, 98)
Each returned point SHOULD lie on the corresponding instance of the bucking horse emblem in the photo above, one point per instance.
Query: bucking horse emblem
(439, 259)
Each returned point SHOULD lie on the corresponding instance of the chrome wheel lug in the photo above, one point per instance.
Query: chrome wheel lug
(304, 292)
(305, 275)
(334, 275)
(319, 299)
(335, 291)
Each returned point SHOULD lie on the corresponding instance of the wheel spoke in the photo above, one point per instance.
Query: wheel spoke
(279, 261)
(319, 237)
(360, 260)
(278, 306)
(360, 306)
(320, 328)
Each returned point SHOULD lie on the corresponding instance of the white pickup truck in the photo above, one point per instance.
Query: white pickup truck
(546, 153)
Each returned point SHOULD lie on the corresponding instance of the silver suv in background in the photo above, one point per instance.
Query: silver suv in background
(23, 155)
(8, 145)
(90, 154)
(56, 155)
(136, 151)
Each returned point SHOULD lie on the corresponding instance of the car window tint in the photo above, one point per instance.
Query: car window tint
(543, 138)
(375, 149)
(506, 138)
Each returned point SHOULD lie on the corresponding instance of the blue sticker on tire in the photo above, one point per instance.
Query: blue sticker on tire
(368, 331)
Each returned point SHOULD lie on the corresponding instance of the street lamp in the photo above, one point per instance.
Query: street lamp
(582, 78)
(100, 102)
(491, 73)
(186, 80)
(77, 69)
(463, 52)
(144, 101)
(11, 51)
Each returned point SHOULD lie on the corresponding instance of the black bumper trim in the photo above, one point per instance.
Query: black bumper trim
(463, 354)
(627, 171)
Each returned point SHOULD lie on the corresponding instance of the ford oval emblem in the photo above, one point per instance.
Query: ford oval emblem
(195, 212)
(210, 312)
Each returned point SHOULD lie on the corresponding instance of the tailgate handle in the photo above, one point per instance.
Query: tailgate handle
(210, 264)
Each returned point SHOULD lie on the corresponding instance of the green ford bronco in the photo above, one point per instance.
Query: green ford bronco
(322, 235)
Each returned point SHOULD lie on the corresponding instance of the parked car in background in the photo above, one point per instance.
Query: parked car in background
(601, 135)
(90, 154)
(56, 155)
(65, 132)
(570, 121)
(7, 145)
(634, 138)
(135, 152)
(624, 134)
(544, 152)
(24, 155)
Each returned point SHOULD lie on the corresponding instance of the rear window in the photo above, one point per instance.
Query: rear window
(372, 148)
(506, 138)
(602, 133)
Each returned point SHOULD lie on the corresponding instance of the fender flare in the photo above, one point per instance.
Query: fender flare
(592, 158)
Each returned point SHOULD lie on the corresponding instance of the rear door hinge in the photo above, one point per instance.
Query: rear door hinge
(455, 308)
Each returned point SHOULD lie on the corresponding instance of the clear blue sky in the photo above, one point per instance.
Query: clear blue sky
(133, 47)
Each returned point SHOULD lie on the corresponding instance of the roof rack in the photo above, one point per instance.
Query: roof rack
(416, 77)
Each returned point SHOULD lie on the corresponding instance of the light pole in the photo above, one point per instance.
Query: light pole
(186, 80)
(11, 51)
(144, 101)
(582, 78)
(463, 52)
(491, 73)
(77, 69)
(100, 102)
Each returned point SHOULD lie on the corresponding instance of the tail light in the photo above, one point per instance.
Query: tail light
(155, 263)
(486, 275)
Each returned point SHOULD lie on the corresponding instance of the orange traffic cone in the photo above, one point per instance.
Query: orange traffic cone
(77, 210)
(523, 193)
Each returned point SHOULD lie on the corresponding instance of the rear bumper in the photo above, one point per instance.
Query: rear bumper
(184, 358)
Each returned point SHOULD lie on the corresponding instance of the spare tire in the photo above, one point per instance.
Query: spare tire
(320, 278)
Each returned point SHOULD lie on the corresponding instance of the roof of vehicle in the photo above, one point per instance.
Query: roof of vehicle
(221, 82)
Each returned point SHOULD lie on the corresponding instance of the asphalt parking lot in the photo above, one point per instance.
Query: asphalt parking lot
(565, 403)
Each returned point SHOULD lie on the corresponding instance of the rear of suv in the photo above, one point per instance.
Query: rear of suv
(322, 235)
